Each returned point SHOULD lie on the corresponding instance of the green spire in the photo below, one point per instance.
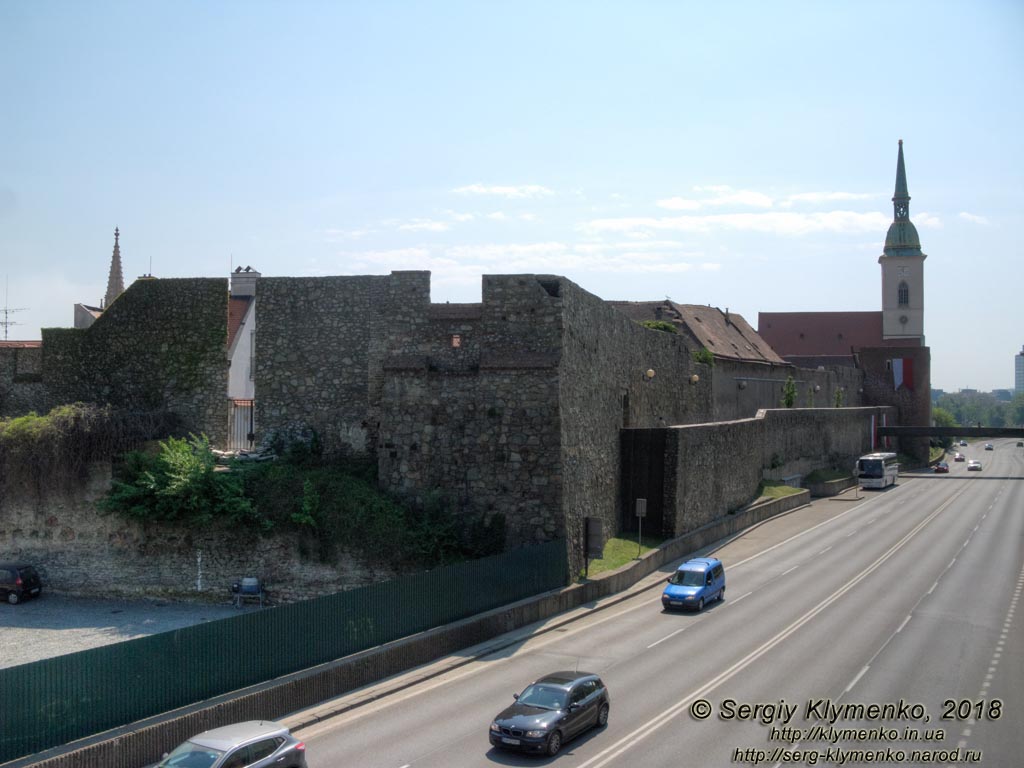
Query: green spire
(902, 238)
(901, 198)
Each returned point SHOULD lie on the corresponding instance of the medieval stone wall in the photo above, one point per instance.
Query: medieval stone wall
(21, 381)
(479, 422)
(81, 552)
(715, 468)
(159, 345)
(913, 404)
(742, 388)
(320, 349)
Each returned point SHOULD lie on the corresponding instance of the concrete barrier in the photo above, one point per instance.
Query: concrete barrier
(144, 742)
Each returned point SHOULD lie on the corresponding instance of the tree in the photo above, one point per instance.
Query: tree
(943, 418)
(789, 392)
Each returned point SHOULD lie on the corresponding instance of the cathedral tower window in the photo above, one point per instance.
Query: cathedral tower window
(903, 294)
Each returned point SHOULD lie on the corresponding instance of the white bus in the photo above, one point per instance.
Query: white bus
(877, 470)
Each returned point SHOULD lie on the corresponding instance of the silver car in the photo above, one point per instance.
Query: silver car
(254, 744)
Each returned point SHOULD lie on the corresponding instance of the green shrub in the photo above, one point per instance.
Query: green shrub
(789, 392)
(703, 355)
(660, 325)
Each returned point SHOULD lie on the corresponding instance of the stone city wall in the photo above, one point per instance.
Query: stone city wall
(714, 469)
(913, 404)
(82, 552)
(159, 345)
(21, 381)
(320, 349)
(742, 388)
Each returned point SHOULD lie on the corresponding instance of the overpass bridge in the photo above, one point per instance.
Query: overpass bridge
(1017, 432)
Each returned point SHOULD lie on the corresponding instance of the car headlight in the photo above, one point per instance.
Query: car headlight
(495, 728)
(535, 734)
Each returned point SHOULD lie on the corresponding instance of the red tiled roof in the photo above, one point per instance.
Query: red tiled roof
(822, 333)
(20, 344)
(237, 306)
(724, 334)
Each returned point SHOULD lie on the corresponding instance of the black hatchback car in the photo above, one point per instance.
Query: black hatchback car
(19, 581)
(551, 711)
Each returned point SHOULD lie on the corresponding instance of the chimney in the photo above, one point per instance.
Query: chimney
(243, 281)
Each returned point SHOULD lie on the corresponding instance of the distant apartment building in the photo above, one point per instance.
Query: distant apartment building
(1018, 372)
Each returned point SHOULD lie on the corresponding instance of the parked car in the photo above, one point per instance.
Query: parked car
(942, 468)
(19, 581)
(694, 584)
(1020, 443)
(974, 465)
(253, 744)
(963, 443)
(988, 447)
(551, 711)
(959, 457)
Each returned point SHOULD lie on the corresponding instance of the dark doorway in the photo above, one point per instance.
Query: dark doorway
(642, 463)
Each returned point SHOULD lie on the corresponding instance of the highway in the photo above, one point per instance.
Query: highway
(909, 597)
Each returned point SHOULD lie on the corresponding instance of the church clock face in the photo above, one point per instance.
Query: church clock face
(902, 271)
(904, 319)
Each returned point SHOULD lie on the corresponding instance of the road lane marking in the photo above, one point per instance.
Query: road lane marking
(790, 570)
(615, 750)
(858, 677)
(905, 622)
(735, 600)
(826, 549)
(672, 634)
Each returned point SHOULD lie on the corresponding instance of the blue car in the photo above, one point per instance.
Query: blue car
(696, 583)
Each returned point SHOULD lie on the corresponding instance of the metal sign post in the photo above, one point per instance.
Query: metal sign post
(641, 513)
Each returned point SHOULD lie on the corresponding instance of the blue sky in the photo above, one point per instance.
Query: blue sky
(737, 154)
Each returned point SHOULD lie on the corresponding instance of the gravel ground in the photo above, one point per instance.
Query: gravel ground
(54, 624)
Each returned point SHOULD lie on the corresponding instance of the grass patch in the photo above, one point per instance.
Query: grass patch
(619, 551)
(824, 475)
(775, 489)
(936, 452)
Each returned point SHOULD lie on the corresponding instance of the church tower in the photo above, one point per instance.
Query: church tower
(902, 270)
(115, 282)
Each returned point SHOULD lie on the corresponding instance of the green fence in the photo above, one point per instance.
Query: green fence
(55, 701)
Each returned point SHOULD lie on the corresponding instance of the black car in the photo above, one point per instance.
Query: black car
(19, 581)
(551, 711)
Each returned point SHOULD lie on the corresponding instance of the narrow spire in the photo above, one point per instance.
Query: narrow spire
(901, 198)
(115, 282)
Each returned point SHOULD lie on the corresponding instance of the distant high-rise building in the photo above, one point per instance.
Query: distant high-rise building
(1018, 371)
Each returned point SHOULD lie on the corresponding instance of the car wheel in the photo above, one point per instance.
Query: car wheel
(554, 743)
(602, 716)
(12, 598)
(721, 595)
(700, 605)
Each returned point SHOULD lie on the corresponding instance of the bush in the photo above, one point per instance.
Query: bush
(660, 325)
(703, 355)
(54, 450)
(180, 484)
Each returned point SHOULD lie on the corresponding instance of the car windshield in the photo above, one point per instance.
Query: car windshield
(543, 697)
(688, 578)
(190, 755)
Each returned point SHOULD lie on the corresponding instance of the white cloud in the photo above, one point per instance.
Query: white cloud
(777, 223)
(824, 197)
(510, 192)
(927, 220)
(721, 195)
(974, 219)
(528, 216)
(457, 216)
(425, 225)
(497, 216)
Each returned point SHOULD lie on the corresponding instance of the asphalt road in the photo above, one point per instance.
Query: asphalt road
(906, 597)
